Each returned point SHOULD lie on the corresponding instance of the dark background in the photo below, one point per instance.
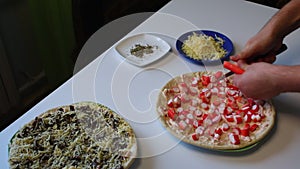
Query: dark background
(40, 42)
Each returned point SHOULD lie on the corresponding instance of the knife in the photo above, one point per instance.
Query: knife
(234, 69)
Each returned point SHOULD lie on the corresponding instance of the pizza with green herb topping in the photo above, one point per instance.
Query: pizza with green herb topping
(81, 135)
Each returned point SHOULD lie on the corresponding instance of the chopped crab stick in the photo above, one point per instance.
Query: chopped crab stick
(232, 67)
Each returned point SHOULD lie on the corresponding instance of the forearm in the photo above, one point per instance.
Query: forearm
(288, 78)
(284, 21)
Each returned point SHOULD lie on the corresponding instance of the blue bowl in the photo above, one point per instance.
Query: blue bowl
(227, 45)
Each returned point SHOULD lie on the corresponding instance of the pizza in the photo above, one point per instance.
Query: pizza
(207, 110)
(80, 135)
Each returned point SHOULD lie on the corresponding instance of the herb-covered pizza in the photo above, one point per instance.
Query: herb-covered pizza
(208, 111)
(81, 135)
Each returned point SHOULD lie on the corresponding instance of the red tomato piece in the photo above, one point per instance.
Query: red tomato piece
(172, 114)
(205, 80)
(195, 137)
(219, 131)
(200, 122)
(229, 118)
(204, 116)
(203, 98)
(245, 132)
(253, 127)
(250, 102)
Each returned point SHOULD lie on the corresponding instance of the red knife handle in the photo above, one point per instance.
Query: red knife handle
(232, 67)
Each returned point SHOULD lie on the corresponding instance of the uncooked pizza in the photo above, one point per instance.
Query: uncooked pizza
(207, 110)
(81, 135)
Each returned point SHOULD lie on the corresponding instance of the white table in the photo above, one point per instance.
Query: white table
(131, 91)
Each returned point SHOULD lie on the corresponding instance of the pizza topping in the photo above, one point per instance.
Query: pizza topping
(74, 136)
(214, 110)
(234, 138)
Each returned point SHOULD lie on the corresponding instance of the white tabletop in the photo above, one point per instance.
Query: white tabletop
(131, 91)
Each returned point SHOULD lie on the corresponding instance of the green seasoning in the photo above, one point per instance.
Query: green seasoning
(139, 50)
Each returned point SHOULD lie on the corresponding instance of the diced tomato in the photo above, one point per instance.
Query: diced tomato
(203, 98)
(219, 131)
(245, 132)
(253, 127)
(247, 125)
(239, 112)
(200, 122)
(195, 137)
(250, 102)
(204, 116)
(172, 114)
(205, 80)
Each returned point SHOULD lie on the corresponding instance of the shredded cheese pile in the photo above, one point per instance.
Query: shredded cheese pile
(204, 47)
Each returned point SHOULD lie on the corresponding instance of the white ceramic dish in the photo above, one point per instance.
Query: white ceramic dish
(160, 49)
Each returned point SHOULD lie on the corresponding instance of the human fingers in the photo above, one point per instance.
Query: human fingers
(268, 59)
(242, 64)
